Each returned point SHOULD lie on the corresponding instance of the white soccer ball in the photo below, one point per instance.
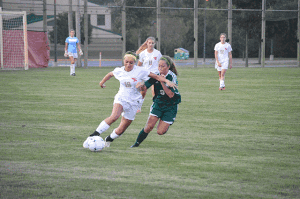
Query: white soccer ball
(96, 143)
(86, 142)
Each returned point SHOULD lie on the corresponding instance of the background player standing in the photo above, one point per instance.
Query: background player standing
(222, 56)
(148, 58)
(72, 43)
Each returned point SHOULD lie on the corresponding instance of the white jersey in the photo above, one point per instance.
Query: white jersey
(150, 60)
(223, 51)
(128, 80)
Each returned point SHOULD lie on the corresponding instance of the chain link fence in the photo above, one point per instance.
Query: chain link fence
(176, 29)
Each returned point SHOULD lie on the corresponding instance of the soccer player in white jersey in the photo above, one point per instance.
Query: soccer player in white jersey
(72, 43)
(149, 58)
(128, 99)
(223, 55)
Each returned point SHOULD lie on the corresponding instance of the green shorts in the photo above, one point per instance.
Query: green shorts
(167, 116)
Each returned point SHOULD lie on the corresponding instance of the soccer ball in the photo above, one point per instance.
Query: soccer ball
(96, 143)
(86, 142)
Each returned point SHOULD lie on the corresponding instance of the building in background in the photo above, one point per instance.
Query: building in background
(102, 39)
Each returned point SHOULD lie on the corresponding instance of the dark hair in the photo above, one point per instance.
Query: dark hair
(170, 63)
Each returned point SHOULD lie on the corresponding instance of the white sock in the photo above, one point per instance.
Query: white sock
(113, 135)
(222, 84)
(103, 126)
(73, 68)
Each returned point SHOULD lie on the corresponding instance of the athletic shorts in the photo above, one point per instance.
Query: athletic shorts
(129, 108)
(168, 116)
(74, 55)
(223, 64)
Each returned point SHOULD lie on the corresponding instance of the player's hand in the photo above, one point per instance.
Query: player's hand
(219, 64)
(140, 86)
(80, 52)
(66, 54)
(230, 66)
(102, 85)
(171, 84)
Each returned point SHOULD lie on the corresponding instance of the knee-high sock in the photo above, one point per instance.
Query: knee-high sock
(141, 137)
(103, 126)
(222, 83)
(72, 67)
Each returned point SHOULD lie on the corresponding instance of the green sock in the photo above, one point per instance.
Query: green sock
(142, 135)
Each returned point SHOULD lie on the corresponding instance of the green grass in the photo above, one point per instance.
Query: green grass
(239, 143)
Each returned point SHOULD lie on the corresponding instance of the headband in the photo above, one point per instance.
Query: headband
(131, 56)
(165, 59)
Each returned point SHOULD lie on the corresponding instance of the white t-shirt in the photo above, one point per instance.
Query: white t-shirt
(223, 51)
(150, 60)
(128, 80)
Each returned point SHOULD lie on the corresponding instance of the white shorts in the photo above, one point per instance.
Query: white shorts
(223, 64)
(74, 55)
(129, 108)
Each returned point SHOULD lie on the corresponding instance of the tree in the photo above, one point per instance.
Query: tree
(63, 31)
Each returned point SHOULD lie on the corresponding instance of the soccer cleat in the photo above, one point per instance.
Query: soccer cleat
(221, 88)
(135, 145)
(95, 133)
(108, 141)
(73, 74)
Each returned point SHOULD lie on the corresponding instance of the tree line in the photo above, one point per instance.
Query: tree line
(177, 25)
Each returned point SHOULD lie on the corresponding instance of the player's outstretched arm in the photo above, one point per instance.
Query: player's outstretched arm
(162, 79)
(105, 79)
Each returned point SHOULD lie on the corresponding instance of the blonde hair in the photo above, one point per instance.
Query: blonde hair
(130, 54)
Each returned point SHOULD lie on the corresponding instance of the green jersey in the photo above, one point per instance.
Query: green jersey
(161, 99)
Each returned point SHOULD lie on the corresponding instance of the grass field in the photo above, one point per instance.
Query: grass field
(238, 143)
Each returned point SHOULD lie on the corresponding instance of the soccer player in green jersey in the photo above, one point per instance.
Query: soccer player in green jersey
(165, 101)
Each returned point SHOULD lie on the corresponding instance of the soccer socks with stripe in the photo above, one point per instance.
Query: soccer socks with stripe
(112, 136)
(103, 126)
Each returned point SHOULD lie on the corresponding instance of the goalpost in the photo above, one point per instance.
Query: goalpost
(13, 40)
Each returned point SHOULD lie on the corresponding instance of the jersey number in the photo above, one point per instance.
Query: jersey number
(162, 92)
(127, 84)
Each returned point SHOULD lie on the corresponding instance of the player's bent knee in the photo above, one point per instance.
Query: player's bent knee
(160, 132)
(148, 128)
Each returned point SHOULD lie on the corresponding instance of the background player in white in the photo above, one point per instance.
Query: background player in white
(128, 99)
(72, 43)
(149, 58)
(223, 55)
